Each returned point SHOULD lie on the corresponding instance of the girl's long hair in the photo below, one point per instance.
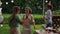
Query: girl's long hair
(15, 10)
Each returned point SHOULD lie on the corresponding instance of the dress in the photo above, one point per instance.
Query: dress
(14, 25)
(27, 25)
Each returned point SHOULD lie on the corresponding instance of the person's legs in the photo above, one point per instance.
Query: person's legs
(11, 31)
(16, 30)
(26, 32)
(48, 25)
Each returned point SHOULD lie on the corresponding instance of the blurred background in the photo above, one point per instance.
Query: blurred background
(36, 5)
(38, 10)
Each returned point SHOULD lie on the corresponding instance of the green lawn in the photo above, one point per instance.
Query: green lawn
(21, 15)
(5, 28)
(37, 17)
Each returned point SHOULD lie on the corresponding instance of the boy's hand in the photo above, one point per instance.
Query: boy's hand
(24, 21)
(21, 21)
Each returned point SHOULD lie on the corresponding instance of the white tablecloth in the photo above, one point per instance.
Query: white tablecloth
(43, 32)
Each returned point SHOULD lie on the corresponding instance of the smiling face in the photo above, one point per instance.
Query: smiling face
(27, 11)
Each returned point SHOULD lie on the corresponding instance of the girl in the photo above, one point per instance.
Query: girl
(48, 16)
(28, 20)
(14, 21)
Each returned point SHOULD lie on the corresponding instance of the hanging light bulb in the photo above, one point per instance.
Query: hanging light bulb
(1, 25)
(12, 1)
(6, 2)
(46, 1)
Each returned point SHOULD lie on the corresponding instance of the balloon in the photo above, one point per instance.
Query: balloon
(1, 19)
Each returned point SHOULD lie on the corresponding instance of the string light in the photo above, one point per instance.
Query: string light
(46, 1)
(6, 2)
(1, 25)
(12, 1)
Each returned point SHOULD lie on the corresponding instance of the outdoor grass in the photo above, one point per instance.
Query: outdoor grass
(36, 17)
(21, 15)
(5, 28)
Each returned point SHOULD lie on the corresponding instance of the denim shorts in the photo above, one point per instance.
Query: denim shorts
(48, 25)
